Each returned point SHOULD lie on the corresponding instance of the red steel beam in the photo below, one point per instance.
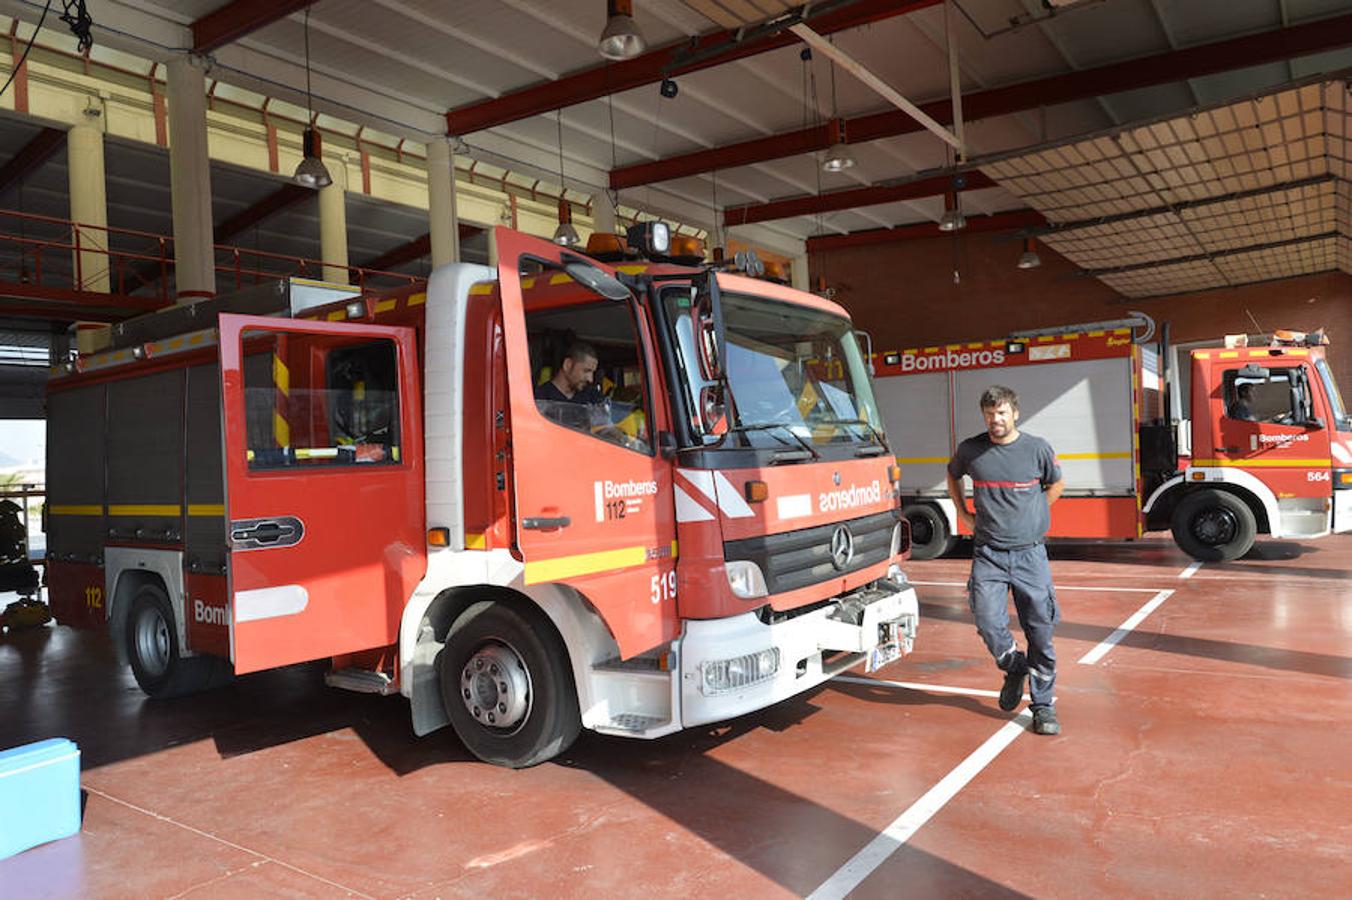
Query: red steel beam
(851, 199)
(664, 62)
(285, 197)
(31, 157)
(414, 249)
(234, 20)
(999, 222)
(1177, 65)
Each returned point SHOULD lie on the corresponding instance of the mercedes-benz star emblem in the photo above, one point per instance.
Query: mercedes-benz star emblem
(842, 547)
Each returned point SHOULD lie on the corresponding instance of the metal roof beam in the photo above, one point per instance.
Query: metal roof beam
(1177, 65)
(414, 249)
(872, 195)
(1007, 221)
(679, 58)
(285, 197)
(234, 20)
(30, 157)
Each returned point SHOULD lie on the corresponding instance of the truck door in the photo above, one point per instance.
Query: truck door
(1267, 427)
(323, 486)
(594, 500)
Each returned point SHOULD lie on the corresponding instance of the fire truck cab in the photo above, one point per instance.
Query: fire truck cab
(387, 482)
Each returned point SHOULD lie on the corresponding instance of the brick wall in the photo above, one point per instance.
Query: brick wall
(904, 294)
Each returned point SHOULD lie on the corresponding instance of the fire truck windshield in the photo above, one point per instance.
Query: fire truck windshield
(796, 375)
(1343, 421)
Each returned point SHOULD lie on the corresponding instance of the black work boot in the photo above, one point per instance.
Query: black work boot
(1044, 720)
(1015, 674)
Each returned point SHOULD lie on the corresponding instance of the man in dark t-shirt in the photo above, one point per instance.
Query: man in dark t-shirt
(572, 383)
(1015, 480)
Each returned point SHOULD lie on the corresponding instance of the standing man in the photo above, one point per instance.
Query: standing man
(1015, 480)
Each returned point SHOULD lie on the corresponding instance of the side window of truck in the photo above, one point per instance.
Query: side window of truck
(588, 372)
(320, 401)
(1257, 399)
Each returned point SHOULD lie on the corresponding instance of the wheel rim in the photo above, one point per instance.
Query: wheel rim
(922, 530)
(1215, 526)
(151, 637)
(495, 687)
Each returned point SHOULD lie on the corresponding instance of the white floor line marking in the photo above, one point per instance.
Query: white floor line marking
(875, 853)
(1059, 587)
(1124, 629)
(221, 840)
(1190, 570)
(919, 686)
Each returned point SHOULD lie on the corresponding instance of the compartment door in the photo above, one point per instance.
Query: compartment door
(323, 486)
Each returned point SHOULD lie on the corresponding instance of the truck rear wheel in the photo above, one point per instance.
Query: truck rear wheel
(152, 647)
(930, 537)
(507, 685)
(1214, 526)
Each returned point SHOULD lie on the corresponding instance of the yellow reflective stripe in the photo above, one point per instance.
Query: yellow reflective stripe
(281, 430)
(417, 299)
(74, 510)
(476, 542)
(386, 305)
(633, 270)
(584, 564)
(1266, 463)
(917, 460)
(337, 315)
(206, 509)
(281, 375)
(1228, 354)
(145, 509)
(1126, 455)
(480, 290)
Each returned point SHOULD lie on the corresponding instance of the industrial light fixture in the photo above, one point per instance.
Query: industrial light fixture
(952, 219)
(565, 235)
(838, 158)
(311, 173)
(1029, 259)
(620, 39)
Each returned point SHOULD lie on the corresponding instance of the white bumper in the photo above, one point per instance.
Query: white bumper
(801, 642)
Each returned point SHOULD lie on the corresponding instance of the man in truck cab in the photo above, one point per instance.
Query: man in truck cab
(1015, 480)
(1242, 408)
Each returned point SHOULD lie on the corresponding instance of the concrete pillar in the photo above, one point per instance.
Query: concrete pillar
(798, 275)
(603, 214)
(89, 202)
(190, 179)
(333, 223)
(444, 219)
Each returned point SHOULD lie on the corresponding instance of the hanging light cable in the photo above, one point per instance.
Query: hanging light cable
(311, 172)
(838, 158)
(565, 234)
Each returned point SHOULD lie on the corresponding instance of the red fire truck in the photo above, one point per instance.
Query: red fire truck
(284, 476)
(1267, 448)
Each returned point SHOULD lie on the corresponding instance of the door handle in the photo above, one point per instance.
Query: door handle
(544, 523)
(262, 534)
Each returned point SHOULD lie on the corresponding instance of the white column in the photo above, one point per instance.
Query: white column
(441, 211)
(333, 223)
(798, 276)
(603, 213)
(89, 202)
(190, 179)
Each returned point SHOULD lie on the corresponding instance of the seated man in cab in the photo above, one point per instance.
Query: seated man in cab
(571, 399)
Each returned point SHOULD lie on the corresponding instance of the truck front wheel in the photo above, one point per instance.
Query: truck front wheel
(930, 537)
(507, 686)
(1214, 526)
(152, 647)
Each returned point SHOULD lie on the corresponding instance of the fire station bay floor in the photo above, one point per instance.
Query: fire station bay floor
(1206, 752)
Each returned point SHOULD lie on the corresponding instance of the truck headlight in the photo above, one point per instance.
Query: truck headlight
(745, 579)
(721, 675)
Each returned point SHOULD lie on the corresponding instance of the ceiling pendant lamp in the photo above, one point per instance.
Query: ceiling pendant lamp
(838, 158)
(952, 219)
(311, 173)
(1029, 259)
(620, 39)
(565, 235)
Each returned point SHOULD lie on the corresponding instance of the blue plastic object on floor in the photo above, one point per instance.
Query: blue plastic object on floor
(39, 794)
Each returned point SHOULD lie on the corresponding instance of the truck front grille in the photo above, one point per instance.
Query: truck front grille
(798, 559)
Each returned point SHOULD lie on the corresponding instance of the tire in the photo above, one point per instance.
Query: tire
(1214, 526)
(152, 647)
(930, 537)
(507, 685)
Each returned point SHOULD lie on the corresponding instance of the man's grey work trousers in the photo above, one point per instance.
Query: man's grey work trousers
(1025, 572)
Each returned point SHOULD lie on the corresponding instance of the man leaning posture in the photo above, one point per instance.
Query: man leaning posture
(1015, 480)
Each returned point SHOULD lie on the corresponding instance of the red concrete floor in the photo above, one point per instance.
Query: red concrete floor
(1205, 754)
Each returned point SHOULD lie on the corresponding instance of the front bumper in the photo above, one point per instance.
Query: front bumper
(812, 647)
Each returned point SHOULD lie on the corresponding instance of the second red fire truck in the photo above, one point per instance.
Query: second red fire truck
(285, 476)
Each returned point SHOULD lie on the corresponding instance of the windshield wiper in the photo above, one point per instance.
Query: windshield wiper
(881, 447)
(768, 426)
